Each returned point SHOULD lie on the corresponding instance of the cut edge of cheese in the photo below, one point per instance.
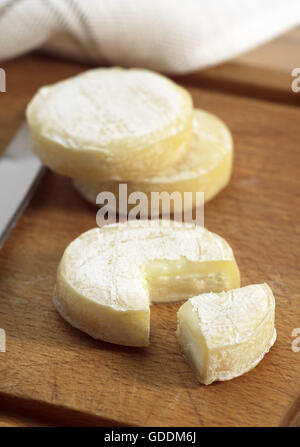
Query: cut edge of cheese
(199, 330)
(108, 310)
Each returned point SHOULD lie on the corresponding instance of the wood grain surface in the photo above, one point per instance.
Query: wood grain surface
(264, 72)
(55, 374)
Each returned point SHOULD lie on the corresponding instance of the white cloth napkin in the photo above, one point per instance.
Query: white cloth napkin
(172, 36)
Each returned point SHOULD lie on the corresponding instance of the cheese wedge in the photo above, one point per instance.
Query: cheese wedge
(206, 167)
(224, 335)
(108, 277)
(111, 123)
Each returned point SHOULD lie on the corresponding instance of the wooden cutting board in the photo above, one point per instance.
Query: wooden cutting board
(265, 72)
(55, 374)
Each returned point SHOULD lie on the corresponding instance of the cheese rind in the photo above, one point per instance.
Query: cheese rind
(206, 167)
(227, 334)
(111, 123)
(108, 277)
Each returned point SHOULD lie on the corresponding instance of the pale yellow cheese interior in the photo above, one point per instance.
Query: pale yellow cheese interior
(179, 280)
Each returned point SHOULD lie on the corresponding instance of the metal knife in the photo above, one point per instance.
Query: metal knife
(20, 172)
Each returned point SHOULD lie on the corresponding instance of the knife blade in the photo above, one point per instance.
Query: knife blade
(20, 172)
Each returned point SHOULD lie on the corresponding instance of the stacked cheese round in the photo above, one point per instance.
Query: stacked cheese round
(111, 123)
(109, 126)
(205, 167)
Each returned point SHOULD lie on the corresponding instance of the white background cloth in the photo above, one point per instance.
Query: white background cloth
(172, 36)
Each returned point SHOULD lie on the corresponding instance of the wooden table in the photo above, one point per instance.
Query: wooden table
(53, 374)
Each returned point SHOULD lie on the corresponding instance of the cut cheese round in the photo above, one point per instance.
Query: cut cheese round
(224, 335)
(108, 277)
(206, 167)
(111, 123)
